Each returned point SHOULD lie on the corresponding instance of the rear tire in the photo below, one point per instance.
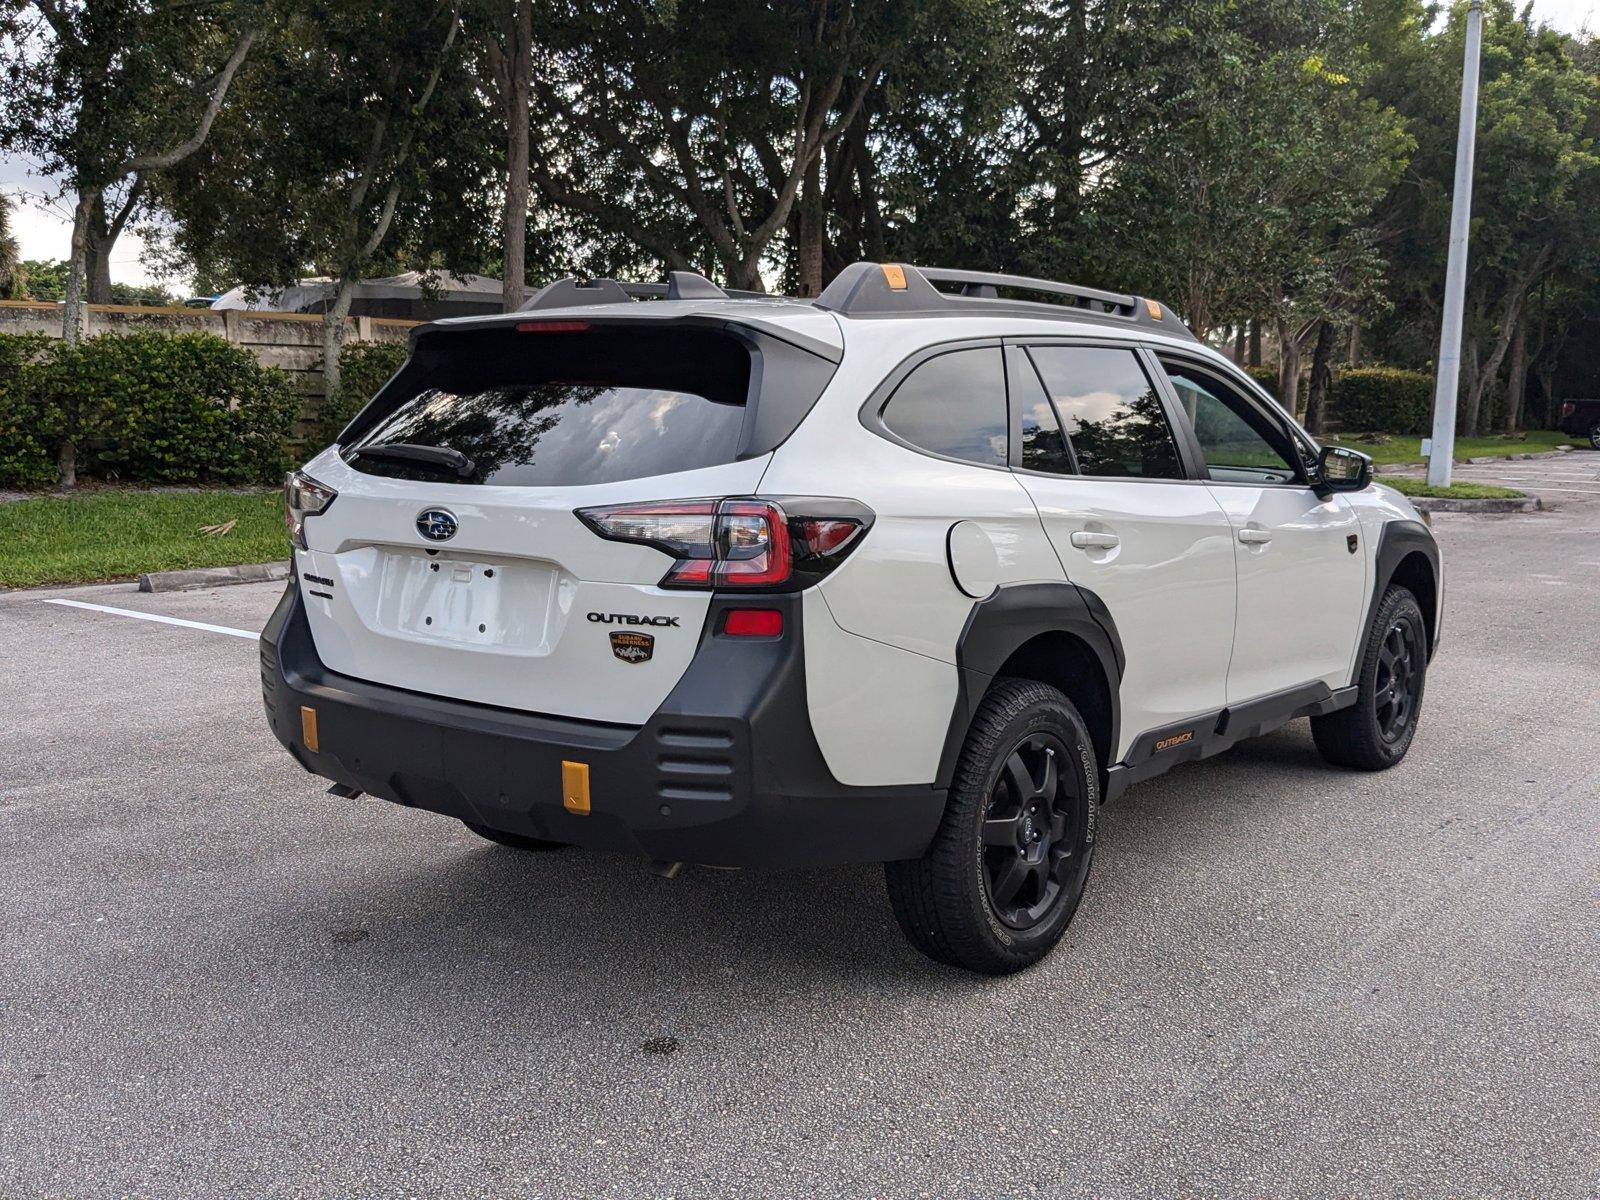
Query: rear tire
(515, 840)
(1004, 874)
(1375, 732)
(1594, 435)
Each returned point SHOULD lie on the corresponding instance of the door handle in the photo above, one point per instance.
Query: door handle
(1085, 540)
(1254, 537)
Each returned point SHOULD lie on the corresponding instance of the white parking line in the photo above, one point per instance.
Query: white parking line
(144, 616)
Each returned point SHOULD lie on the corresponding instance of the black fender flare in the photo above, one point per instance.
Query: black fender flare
(1007, 619)
(1397, 541)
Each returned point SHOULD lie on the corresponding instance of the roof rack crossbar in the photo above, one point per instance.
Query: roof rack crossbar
(867, 289)
(573, 292)
(985, 285)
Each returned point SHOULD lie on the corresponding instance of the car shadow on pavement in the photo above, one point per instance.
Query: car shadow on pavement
(450, 906)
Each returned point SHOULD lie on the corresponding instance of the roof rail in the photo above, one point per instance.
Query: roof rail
(896, 289)
(680, 285)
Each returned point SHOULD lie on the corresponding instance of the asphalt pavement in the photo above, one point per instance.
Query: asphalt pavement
(1286, 980)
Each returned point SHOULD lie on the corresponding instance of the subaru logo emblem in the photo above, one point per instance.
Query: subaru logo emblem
(437, 524)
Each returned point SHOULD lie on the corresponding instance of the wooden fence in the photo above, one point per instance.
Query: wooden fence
(289, 341)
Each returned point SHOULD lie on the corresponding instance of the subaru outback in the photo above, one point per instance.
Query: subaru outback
(920, 572)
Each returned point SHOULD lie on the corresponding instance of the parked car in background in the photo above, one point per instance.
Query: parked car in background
(1581, 418)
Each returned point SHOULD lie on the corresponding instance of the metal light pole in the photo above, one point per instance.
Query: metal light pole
(1441, 459)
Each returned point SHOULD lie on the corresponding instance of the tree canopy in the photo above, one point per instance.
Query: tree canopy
(1260, 165)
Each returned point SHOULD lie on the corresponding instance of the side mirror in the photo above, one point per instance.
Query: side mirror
(1342, 470)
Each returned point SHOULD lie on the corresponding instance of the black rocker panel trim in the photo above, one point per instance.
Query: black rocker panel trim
(1159, 750)
(1397, 541)
(1009, 618)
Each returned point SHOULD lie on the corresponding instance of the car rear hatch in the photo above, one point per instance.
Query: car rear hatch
(451, 562)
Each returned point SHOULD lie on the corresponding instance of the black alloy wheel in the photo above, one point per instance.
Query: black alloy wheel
(1399, 662)
(1375, 732)
(1003, 876)
(1028, 849)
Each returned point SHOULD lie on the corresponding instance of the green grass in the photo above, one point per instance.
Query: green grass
(118, 534)
(1402, 449)
(1456, 491)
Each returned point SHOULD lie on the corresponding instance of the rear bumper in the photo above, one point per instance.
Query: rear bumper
(727, 771)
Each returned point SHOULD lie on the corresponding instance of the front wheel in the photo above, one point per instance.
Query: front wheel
(1376, 731)
(1000, 883)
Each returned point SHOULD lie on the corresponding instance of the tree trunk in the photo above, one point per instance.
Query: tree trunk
(74, 316)
(1516, 295)
(1517, 383)
(1255, 341)
(1353, 357)
(1288, 369)
(519, 63)
(1321, 378)
(97, 267)
(1239, 346)
(333, 337)
(810, 231)
(872, 238)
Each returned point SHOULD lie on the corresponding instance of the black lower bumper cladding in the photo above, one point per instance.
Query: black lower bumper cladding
(727, 772)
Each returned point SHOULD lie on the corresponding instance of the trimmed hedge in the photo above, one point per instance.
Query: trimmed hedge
(27, 433)
(1267, 377)
(1383, 399)
(364, 367)
(144, 408)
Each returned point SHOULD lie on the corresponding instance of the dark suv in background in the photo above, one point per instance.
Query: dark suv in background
(1581, 418)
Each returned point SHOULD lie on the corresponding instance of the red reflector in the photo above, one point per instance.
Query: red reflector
(753, 622)
(553, 327)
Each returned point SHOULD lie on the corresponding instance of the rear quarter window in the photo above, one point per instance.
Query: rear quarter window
(953, 405)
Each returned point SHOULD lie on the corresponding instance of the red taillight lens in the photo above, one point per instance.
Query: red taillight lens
(1568, 409)
(737, 543)
(753, 622)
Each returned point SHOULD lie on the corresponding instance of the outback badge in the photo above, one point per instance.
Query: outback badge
(633, 647)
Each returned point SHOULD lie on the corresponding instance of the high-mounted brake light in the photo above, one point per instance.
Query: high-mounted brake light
(740, 543)
(552, 327)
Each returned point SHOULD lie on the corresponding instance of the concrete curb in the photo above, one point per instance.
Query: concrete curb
(1437, 504)
(207, 577)
(1403, 468)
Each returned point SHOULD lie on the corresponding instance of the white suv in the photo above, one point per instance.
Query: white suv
(917, 573)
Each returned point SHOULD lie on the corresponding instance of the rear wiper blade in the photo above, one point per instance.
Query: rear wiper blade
(441, 457)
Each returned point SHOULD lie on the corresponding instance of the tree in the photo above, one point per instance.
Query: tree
(504, 37)
(381, 168)
(1534, 226)
(105, 96)
(1251, 196)
(698, 128)
(12, 276)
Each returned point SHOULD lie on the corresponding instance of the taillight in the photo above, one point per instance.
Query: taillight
(303, 497)
(1568, 409)
(739, 543)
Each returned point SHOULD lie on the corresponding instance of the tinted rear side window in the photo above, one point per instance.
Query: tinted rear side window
(564, 409)
(1111, 411)
(955, 405)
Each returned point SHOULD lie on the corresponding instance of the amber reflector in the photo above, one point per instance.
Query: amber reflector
(575, 787)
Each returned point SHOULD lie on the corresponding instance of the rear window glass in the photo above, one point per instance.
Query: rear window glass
(561, 409)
